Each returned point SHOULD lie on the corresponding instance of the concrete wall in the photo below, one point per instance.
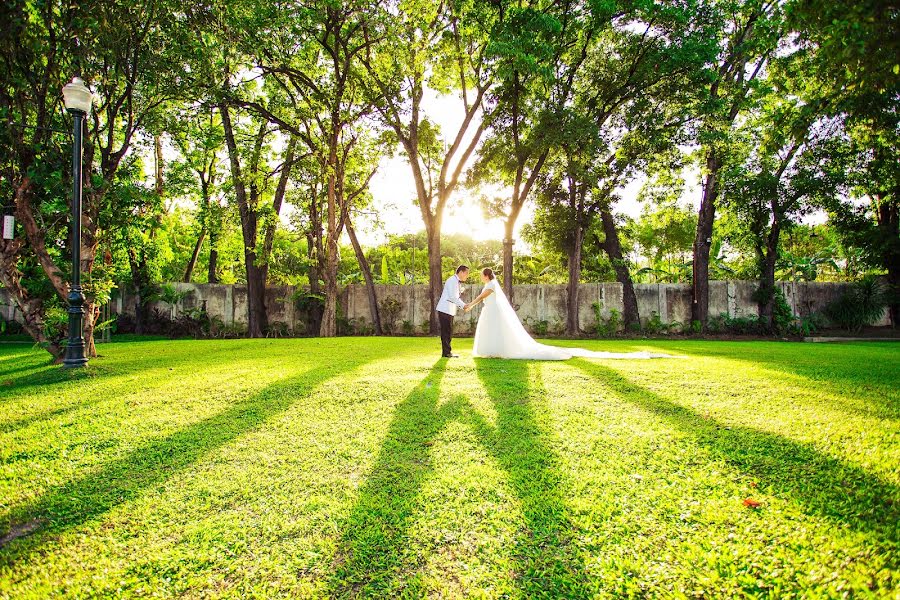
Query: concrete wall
(534, 303)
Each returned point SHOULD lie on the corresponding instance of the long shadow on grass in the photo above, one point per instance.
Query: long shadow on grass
(72, 504)
(109, 389)
(175, 355)
(374, 535)
(824, 486)
(863, 379)
(548, 562)
(374, 540)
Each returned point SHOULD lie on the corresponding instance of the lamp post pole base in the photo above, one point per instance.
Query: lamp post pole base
(75, 363)
(74, 356)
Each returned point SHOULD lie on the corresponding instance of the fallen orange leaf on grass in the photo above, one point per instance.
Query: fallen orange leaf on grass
(751, 503)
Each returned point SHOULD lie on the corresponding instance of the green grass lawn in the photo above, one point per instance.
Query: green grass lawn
(368, 467)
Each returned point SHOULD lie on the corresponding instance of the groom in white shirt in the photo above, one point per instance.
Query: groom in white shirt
(447, 305)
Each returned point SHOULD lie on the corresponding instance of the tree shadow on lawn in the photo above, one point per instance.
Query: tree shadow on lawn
(103, 383)
(74, 503)
(178, 355)
(99, 389)
(370, 555)
(822, 485)
(549, 561)
(825, 366)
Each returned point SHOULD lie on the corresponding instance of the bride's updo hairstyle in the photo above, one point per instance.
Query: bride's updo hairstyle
(489, 273)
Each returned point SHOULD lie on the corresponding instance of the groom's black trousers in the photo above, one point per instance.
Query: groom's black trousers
(446, 322)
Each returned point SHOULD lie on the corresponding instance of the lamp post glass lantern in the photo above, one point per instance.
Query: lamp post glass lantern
(77, 98)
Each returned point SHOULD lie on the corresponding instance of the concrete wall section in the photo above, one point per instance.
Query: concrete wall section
(542, 307)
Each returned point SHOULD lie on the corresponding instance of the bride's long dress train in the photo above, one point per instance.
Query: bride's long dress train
(500, 334)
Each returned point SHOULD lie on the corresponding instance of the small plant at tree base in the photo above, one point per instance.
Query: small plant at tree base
(539, 326)
(278, 329)
(614, 322)
(782, 316)
(862, 304)
(390, 310)
(169, 294)
(808, 325)
(425, 327)
(654, 324)
(408, 327)
(609, 326)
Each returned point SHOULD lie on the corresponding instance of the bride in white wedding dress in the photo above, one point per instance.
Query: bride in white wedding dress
(500, 334)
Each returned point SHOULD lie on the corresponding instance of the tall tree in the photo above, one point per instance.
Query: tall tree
(539, 50)
(259, 206)
(439, 46)
(315, 92)
(197, 133)
(747, 33)
(129, 64)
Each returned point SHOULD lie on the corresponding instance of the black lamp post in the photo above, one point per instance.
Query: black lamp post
(77, 98)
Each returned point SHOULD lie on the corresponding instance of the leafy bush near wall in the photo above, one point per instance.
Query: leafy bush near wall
(655, 324)
(609, 326)
(408, 327)
(390, 309)
(194, 323)
(782, 315)
(539, 327)
(862, 304)
(807, 325)
(10, 327)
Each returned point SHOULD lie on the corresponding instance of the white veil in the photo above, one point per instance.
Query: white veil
(513, 341)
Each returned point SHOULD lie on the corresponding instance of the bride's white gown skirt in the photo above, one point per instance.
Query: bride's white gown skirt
(500, 334)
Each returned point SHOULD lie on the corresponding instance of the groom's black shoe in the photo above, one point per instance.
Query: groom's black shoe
(450, 356)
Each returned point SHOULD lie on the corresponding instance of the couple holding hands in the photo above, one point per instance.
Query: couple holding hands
(500, 333)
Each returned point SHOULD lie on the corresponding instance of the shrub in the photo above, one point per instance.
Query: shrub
(279, 329)
(56, 323)
(609, 326)
(782, 315)
(808, 325)
(862, 304)
(539, 326)
(735, 325)
(655, 325)
(408, 328)
(390, 310)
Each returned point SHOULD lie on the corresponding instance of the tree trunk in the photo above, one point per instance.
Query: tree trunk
(329, 313)
(158, 153)
(189, 270)
(334, 216)
(256, 293)
(766, 292)
(212, 275)
(574, 278)
(140, 283)
(91, 314)
(277, 201)
(702, 241)
(32, 309)
(258, 321)
(889, 223)
(367, 276)
(613, 247)
(435, 273)
(508, 260)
